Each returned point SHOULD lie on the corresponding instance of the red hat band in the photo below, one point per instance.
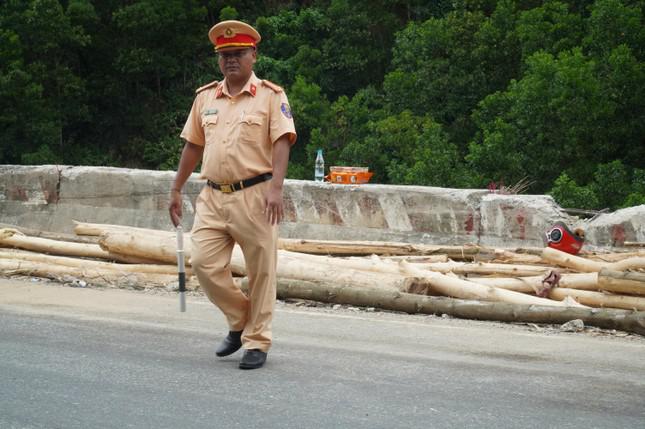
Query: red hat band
(239, 40)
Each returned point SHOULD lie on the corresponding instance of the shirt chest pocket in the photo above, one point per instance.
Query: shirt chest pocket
(251, 129)
(209, 123)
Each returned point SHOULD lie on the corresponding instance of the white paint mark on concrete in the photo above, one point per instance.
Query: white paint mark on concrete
(395, 212)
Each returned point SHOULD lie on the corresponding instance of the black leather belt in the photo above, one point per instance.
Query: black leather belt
(227, 188)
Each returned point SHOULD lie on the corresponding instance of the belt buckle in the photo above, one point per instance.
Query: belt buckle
(226, 188)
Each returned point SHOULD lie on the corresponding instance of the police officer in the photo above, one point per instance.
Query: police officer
(242, 130)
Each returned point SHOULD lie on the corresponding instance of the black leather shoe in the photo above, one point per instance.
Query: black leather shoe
(252, 359)
(230, 344)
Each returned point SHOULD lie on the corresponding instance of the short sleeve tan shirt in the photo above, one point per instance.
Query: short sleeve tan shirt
(238, 132)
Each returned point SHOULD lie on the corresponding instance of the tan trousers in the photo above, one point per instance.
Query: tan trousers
(220, 221)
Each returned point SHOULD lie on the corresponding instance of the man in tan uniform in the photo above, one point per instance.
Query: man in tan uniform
(242, 130)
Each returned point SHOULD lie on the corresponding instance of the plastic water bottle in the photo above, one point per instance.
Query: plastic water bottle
(319, 174)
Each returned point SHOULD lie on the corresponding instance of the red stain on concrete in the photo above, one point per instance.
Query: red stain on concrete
(618, 235)
(420, 222)
(416, 208)
(50, 191)
(289, 210)
(521, 222)
(469, 224)
(16, 193)
(327, 210)
(371, 212)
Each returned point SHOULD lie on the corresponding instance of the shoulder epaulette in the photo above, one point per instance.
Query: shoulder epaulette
(208, 85)
(272, 85)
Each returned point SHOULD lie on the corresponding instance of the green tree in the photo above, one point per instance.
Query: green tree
(616, 40)
(434, 161)
(567, 193)
(310, 108)
(344, 138)
(613, 23)
(545, 123)
(611, 184)
(40, 80)
(637, 193)
(155, 75)
(444, 66)
(551, 28)
(228, 13)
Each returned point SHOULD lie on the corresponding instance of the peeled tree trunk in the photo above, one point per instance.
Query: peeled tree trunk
(386, 274)
(584, 288)
(577, 263)
(458, 288)
(290, 264)
(370, 273)
(334, 247)
(98, 229)
(508, 257)
(622, 282)
(15, 239)
(582, 281)
(414, 258)
(108, 277)
(628, 321)
(615, 256)
(294, 265)
(48, 260)
(161, 247)
(484, 268)
(383, 248)
(48, 234)
(599, 299)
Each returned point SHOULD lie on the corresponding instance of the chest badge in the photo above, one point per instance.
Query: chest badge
(210, 112)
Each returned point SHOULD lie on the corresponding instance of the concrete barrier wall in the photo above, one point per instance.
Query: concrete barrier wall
(50, 197)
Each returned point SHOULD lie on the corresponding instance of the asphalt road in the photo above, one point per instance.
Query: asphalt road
(100, 358)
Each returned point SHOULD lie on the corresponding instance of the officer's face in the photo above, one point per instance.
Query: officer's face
(237, 65)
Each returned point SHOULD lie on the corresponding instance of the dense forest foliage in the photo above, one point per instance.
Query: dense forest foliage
(460, 93)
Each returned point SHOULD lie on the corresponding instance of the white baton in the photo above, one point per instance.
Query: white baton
(181, 269)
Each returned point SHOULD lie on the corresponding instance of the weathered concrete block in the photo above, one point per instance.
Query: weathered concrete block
(32, 185)
(379, 212)
(49, 197)
(613, 229)
(516, 220)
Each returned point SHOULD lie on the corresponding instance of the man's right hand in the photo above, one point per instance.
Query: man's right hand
(190, 156)
(174, 208)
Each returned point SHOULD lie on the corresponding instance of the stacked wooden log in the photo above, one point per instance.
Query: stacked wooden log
(388, 272)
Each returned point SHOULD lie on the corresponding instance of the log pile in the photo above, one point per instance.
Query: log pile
(538, 285)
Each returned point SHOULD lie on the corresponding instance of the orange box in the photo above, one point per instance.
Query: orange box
(348, 175)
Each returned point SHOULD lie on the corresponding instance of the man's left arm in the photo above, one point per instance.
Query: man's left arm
(274, 206)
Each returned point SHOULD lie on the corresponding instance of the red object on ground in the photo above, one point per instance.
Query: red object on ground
(561, 238)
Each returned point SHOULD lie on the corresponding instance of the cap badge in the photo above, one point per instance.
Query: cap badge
(229, 32)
